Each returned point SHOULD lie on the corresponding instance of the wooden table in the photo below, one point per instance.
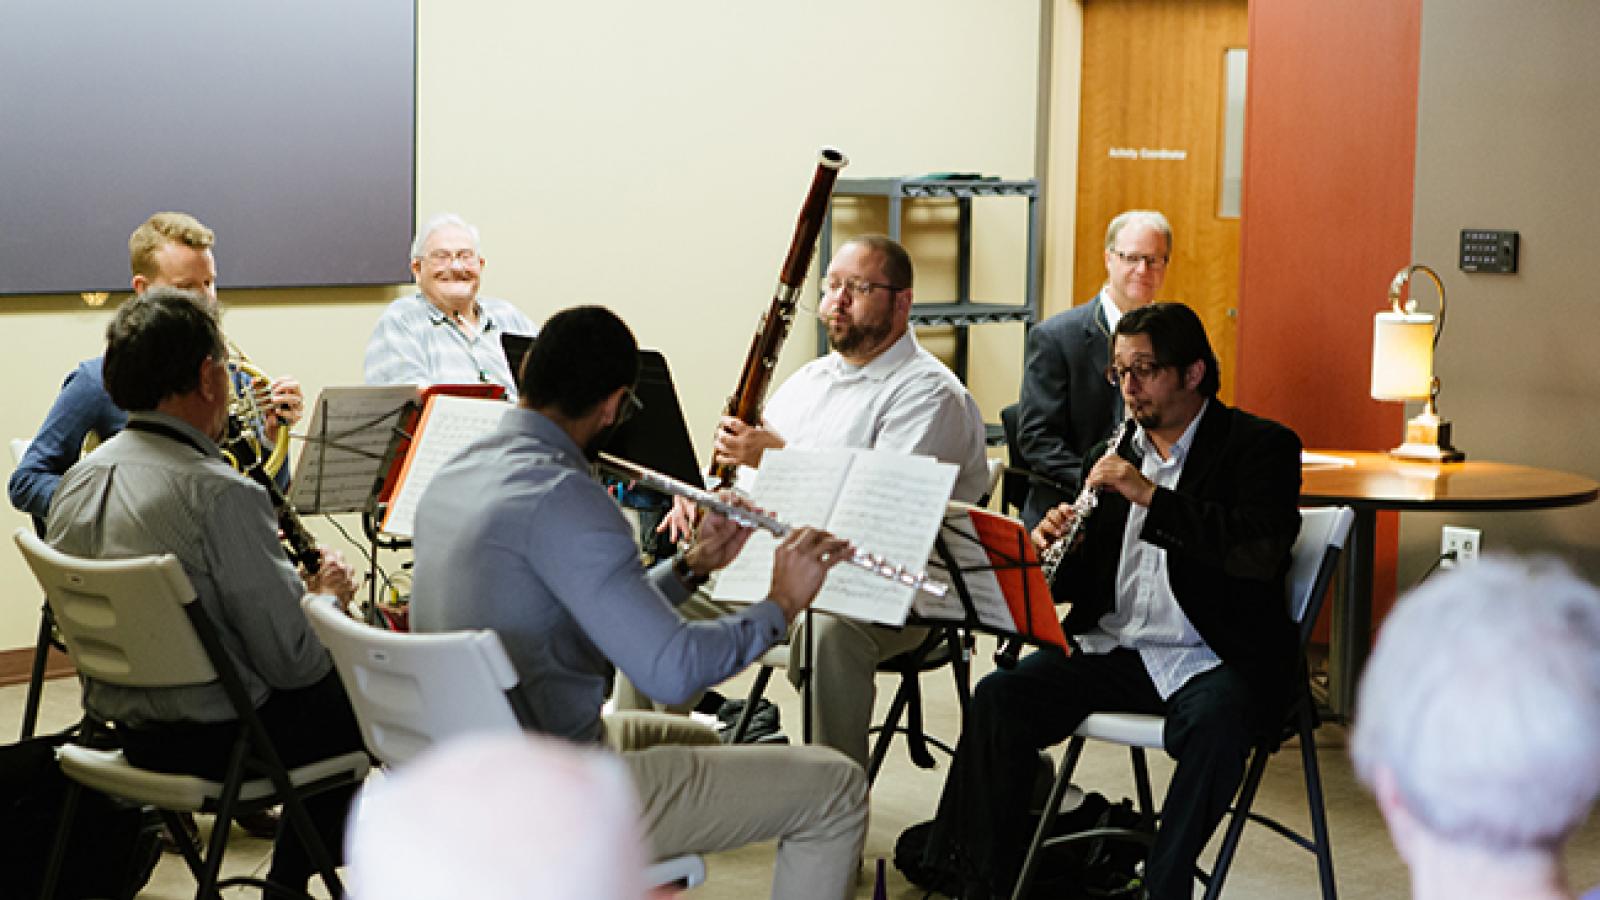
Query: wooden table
(1378, 481)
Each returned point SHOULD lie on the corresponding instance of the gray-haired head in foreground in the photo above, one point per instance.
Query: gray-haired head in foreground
(499, 817)
(1482, 698)
(437, 222)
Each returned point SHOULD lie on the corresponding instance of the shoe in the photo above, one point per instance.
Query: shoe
(262, 824)
(169, 842)
(763, 729)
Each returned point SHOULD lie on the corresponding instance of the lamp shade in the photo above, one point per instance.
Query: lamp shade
(1402, 356)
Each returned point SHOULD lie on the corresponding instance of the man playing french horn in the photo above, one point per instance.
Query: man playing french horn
(170, 249)
(1178, 609)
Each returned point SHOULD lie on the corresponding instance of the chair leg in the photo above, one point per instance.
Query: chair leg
(1319, 813)
(1047, 818)
(757, 691)
(891, 724)
(58, 853)
(1141, 785)
(41, 656)
(1236, 822)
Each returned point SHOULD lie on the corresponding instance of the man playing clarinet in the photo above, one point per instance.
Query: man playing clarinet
(1178, 609)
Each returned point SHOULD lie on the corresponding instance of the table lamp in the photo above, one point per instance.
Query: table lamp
(1403, 341)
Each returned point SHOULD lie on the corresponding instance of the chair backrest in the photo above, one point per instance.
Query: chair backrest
(1323, 532)
(19, 449)
(1014, 483)
(123, 620)
(411, 691)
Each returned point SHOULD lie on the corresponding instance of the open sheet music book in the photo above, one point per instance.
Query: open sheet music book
(446, 426)
(1000, 572)
(350, 431)
(883, 502)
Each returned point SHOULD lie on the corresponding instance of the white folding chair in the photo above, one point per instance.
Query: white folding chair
(47, 627)
(1323, 532)
(137, 623)
(412, 691)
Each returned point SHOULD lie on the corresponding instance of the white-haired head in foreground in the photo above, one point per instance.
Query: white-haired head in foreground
(1478, 720)
(501, 817)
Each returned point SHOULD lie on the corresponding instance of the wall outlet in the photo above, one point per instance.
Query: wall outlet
(1464, 542)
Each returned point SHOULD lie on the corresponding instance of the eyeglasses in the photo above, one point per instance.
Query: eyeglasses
(855, 287)
(1141, 371)
(446, 257)
(1134, 259)
(631, 406)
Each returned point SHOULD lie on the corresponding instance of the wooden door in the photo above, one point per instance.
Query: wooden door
(1150, 137)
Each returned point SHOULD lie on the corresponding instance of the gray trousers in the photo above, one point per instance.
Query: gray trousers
(699, 796)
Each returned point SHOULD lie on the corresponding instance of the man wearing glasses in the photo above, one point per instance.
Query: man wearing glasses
(445, 333)
(878, 389)
(1066, 406)
(1178, 609)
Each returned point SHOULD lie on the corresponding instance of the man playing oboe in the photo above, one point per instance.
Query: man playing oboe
(514, 535)
(1178, 609)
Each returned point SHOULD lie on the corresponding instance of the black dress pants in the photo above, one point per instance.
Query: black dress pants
(305, 725)
(983, 825)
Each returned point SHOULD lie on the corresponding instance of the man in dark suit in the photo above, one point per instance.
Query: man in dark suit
(1178, 608)
(1067, 406)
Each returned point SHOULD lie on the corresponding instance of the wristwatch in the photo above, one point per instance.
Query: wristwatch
(689, 578)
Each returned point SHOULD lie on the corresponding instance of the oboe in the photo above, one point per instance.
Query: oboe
(1050, 559)
(752, 519)
(1082, 508)
(747, 398)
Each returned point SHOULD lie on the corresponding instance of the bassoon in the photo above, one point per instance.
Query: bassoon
(747, 399)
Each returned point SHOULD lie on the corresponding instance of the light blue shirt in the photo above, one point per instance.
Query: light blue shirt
(516, 536)
(414, 342)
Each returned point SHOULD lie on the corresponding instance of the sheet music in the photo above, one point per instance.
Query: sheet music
(447, 425)
(884, 502)
(961, 539)
(798, 487)
(1002, 575)
(343, 446)
(891, 506)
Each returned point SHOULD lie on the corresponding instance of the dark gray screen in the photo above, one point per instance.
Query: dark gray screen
(287, 126)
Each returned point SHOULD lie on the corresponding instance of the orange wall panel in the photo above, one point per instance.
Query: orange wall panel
(1330, 150)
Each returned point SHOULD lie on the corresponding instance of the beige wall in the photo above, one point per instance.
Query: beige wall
(1507, 130)
(650, 157)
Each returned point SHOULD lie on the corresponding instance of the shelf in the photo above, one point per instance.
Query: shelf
(961, 312)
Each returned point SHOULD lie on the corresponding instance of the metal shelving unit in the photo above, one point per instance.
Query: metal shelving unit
(963, 311)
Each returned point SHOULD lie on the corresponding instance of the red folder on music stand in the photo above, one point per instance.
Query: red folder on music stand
(997, 584)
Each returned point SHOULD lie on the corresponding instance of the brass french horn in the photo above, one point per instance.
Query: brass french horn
(249, 407)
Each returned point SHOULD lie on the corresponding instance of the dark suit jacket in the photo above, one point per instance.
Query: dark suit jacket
(1067, 406)
(1228, 529)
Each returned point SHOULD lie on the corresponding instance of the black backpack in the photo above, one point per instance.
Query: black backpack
(113, 846)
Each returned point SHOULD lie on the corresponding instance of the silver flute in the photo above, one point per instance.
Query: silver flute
(1082, 508)
(752, 519)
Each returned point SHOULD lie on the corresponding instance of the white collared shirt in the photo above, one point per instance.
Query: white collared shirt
(1146, 615)
(905, 399)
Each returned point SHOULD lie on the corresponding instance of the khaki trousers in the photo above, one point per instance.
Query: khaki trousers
(699, 796)
(846, 655)
(844, 675)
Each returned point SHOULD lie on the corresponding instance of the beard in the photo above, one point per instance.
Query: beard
(852, 337)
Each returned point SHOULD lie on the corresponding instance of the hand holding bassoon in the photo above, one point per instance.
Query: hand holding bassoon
(747, 399)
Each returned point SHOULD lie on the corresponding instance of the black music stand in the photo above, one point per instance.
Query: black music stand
(1014, 604)
(350, 443)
